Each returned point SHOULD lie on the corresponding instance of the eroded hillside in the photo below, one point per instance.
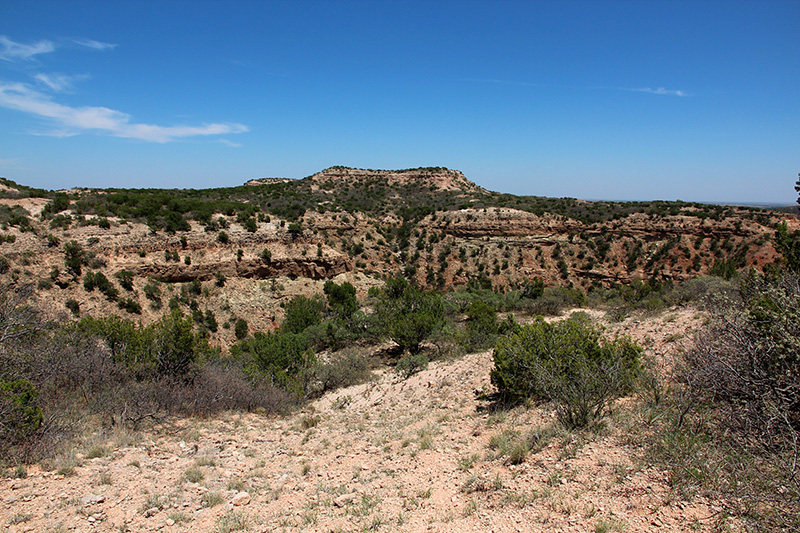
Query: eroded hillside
(241, 252)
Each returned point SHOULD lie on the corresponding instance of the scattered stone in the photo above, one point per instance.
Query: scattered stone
(241, 498)
(344, 499)
(92, 499)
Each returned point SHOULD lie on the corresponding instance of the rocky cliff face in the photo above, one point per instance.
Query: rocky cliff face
(249, 274)
(439, 178)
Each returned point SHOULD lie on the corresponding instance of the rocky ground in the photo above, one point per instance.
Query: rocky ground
(423, 454)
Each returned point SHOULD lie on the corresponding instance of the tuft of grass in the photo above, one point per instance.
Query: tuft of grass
(97, 451)
(607, 525)
(19, 518)
(466, 463)
(193, 475)
(153, 501)
(237, 484)
(309, 422)
(211, 499)
(205, 460)
(179, 518)
(232, 521)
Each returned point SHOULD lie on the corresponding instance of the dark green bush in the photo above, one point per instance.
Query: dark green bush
(130, 305)
(125, 279)
(250, 225)
(482, 325)
(240, 328)
(567, 363)
(301, 313)
(282, 358)
(195, 287)
(167, 347)
(408, 314)
(20, 416)
(60, 202)
(152, 291)
(210, 321)
(341, 298)
(73, 306)
(74, 257)
(92, 280)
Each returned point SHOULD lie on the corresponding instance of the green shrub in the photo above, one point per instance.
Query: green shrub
(92, 280)
(482, 326)
(341, 298)
(20, 416)
(341, 370)
(210, 320)
(73, 306)
(567, 363)
(409, 315)
(166, 348)
(222, 237)
(411, 363)
(125, 279)
(301, 313)
(60, 202)
(555, 299)
(240, 328)
(130, 305)
(74, 257)
(195, 287)
(250, 225)
(281, 357)
(152, 291)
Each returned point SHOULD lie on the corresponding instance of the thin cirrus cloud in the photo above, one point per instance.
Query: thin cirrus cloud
(76, 120)
(660, 90)
(96, 45)
(59, 82)
(12, 51)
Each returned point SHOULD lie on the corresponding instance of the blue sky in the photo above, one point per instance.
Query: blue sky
(629, 100)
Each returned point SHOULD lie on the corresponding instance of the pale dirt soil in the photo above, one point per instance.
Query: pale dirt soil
(389, 455)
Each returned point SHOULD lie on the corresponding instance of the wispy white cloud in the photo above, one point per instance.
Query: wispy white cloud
(76, 120)
(226, 142)
(97, 45)
(650, 90)
(13, 51)
(59, 82)
(660, 90)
